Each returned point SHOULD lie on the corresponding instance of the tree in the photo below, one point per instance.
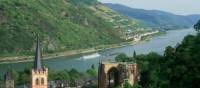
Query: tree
(92, 67)
(62, 75)
(134, 54)
(137, 86)
(92, 72)
(149, 67)
(169, 52)
(122, 58)
(197, 26)
(127, 85)
(1, 81)
(15, 75)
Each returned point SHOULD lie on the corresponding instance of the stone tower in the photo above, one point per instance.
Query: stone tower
(39, 74)
(8, 79)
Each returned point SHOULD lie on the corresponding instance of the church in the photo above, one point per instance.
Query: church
(39, 73)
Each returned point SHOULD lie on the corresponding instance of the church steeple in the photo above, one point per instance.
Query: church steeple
(8, 79)
(39, 74)
(8, 75)
(37, 60)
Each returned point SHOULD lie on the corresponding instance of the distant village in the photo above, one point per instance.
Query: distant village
(131, 35)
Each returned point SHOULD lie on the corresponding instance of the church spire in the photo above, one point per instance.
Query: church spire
(37, 61)
(8, 75)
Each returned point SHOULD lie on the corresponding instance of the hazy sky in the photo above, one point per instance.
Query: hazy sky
(183, 7)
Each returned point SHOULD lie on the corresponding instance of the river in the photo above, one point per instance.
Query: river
(156, 44)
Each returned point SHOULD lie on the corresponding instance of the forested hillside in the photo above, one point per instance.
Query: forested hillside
(61, 24)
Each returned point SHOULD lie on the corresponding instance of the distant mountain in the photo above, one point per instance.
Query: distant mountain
(156, 18)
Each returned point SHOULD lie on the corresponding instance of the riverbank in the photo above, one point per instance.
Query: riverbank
(155, 44)
(18, 59)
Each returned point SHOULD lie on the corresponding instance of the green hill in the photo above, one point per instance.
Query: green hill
(61, 24)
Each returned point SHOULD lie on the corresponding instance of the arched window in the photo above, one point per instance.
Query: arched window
(42, 81)
(37, 81)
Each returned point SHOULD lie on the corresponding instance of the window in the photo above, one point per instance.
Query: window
(37, 81)
(42, 81)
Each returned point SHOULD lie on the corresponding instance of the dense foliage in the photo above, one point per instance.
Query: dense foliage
(177, 68)
(61, 24)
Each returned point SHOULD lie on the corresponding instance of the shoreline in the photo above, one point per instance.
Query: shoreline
(61, 54)
(21, 59)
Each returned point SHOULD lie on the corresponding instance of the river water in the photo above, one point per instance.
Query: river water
(156, 44)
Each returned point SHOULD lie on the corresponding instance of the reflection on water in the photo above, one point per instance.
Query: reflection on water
(157, 44)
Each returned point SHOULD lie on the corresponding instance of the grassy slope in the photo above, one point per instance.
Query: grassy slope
(62, 25)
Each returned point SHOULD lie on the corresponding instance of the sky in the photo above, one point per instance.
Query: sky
(180, 7)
